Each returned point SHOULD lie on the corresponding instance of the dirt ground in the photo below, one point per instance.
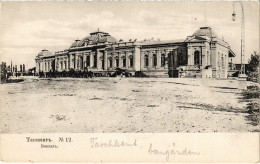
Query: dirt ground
(124, 105)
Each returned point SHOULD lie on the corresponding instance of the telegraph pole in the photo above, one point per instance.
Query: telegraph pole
(242, 69)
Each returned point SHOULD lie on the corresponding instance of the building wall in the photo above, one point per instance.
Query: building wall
(212, 61)
(221, 61)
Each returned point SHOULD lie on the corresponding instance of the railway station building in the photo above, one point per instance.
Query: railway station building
(201, 55)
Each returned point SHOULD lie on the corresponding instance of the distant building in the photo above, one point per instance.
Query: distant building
(3, 71)
(201, 55)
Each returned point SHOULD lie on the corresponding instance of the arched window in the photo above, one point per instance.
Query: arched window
(117, 61)
(154, 60)
(48, 66)
(131, 61)
(181, 59)
(146, 60)
(88, 61)
(81, 62)
(163, 60)
(95, 61)
(103, 64)
(110, 62)
(65, 64)
(61, 65)
(53, 64)
(196, 58)
(124, 61)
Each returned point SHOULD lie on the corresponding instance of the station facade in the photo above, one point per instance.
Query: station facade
(202, 54)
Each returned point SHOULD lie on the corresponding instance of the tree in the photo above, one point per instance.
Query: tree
(253, 62)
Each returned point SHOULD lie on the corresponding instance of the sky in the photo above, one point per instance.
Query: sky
(28, 27)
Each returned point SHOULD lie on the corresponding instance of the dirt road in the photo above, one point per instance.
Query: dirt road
(123, 105)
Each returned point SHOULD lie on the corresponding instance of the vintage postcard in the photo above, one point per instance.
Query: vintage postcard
(152, 81)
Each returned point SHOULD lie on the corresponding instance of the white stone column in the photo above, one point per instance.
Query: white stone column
(91, 59)
(166, 58)
(150, 59)
(127, 60)
(42, 63)
(204, 56)
(36, 66)
(67, 63)
(137, 59)
(39, 65)
(142, 54)
(76, 61)
(113, 61)
(208, 58)
(56, 64)
(158, 55)
(84, 60)
(189, 56)
(70, 61)
(45, 66)
(192, 56)
(99, 64)
(120, 60)
(175, 53)
(105, 60)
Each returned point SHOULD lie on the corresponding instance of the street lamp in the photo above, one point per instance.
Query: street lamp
(242, 70)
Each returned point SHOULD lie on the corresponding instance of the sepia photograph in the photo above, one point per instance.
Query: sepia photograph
(129, 67)
(129, 81)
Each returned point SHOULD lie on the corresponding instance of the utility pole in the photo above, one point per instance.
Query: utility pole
(242, 69)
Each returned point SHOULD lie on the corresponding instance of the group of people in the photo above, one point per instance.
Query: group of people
(84, 74)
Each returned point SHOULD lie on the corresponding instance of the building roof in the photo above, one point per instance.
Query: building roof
(75, 43)
(205, 31)
(44, 53)
(152, 42)
(231, 53)
(94, 38)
